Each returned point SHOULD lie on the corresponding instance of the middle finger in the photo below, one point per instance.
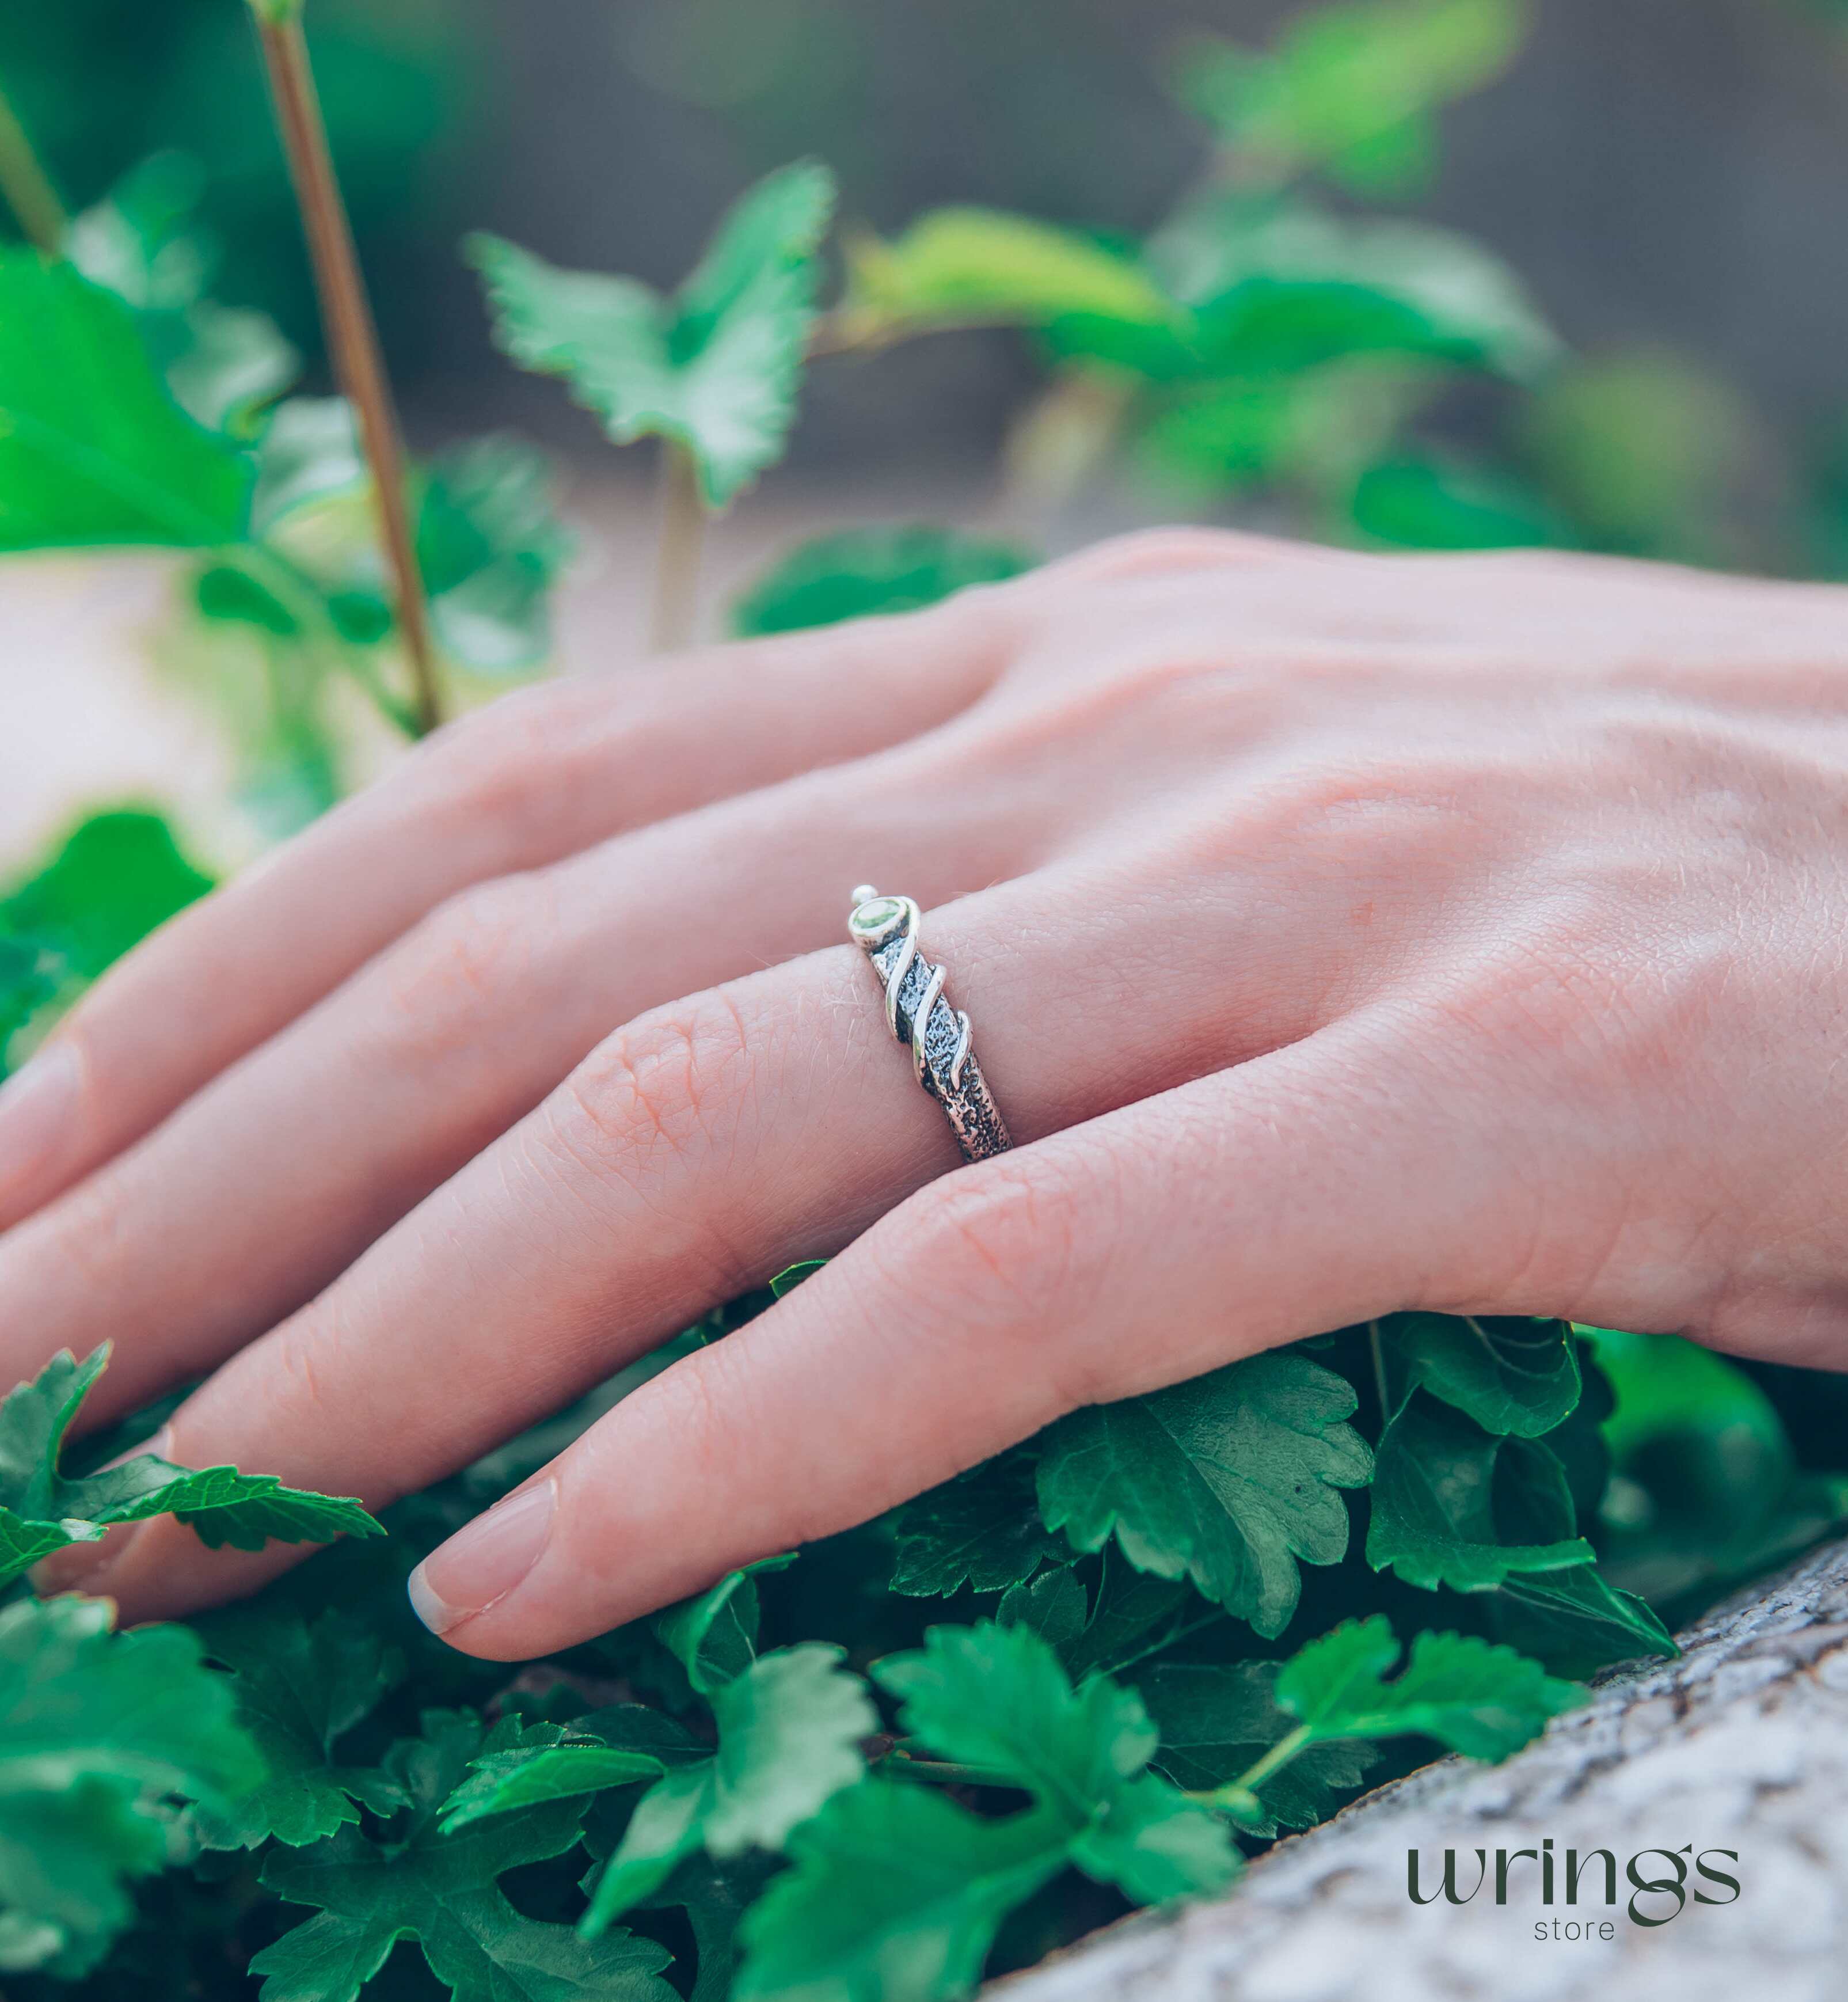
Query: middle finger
(701, 1148)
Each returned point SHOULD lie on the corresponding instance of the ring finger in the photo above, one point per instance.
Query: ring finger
(697, 1151)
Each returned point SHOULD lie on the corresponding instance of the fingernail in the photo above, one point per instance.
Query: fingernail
(79, 1567)
(484, 1562)
(38, 1109)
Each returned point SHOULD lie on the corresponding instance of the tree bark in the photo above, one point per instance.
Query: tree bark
(1741, 1744)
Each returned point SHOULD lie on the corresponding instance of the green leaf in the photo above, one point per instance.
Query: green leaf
(666, 1827)
(966, 266)
(1577, 1442)
(233, 364)
(222, 364)
(299, 1687)
(1428, 502)
(1217, 1720)
(23, 1541)
(442, 1891)
(862, 573)
(791, 1276)
(1351, 88)
(713, 1634)
(1155, 1845)
(41, 1510)
(715, 367)
(895, 1895)
(1484, 1701)
(218, 1504)
(26, 984)
(997, 1698)
(1707, 1487)
(982, 1530)
(789, 1728)
(1434, 1519)
(522, 1765)
(1666, 1388)
(1053, 1606)
(142, 239)
(97, 1732)
(1229, 1480)
(93, 449)
(715, 1896)
(1647, 452)
(34, 1417)
(491, 549)
(1576, 1620)
(1274, 290)
(1454, 1506)
(1133, 1615)
(116, 877)
(309, 454)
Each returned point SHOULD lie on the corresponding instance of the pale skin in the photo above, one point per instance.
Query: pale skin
(1341, 934)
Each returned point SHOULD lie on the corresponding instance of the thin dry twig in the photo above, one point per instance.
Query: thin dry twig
(352, 337)
(27, 187)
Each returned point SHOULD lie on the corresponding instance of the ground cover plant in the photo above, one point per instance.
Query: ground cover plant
(1098, 1671)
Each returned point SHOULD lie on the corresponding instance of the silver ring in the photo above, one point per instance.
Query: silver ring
(886, 929)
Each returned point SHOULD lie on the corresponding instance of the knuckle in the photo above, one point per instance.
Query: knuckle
(691, 1405)
(657, 1092)
(998, 1241)
(478, 948)
(487, 761)
(1016, 1251)
(1153, 552)
(1354, 818)
(512, 767)
(1553, 990)
(1147, 690)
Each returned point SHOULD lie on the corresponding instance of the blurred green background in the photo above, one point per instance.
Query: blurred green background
(1666, 176)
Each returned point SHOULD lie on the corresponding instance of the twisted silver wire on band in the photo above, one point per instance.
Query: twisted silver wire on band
(886, 929)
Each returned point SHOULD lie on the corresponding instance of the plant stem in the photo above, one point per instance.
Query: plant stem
(943, 1773)
(1280, 1754)
(682, 534)
(1119, 1664)
(1062, 439)
(1240, 1795)
(27, 186)
(1379, 1375)
(297, 595)
(352, 338)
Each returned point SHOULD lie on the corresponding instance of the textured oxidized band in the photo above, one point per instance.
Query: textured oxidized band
(886, 929)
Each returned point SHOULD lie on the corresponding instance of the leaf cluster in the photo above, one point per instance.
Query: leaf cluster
(838, 1773)
(121, 1754)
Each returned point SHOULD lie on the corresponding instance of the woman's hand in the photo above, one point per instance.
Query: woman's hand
(1341, 934)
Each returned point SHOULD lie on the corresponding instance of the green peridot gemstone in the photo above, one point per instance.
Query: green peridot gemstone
(870, 917)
